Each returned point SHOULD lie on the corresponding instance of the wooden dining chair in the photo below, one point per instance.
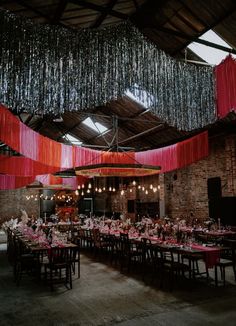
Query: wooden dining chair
(148, 258)
(100, 244)
(227, 259)
(74, 257)
(130, 252)
(58, 269)
(25, 262)
(171, 267)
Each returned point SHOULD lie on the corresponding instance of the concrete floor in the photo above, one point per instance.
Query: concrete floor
(104, 296)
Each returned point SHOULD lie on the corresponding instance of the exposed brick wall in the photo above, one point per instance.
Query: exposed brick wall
(230, 165)
(182, 191)
(12, 201)
(186, 189)
(119, 203)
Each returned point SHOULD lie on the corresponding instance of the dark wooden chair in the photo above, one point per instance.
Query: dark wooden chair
(82, 237)
(115, 252)
(74, 257)
(227, 259)
(25, 262)
(170, 266)
(193, 259)
(58, 269)
(99, 243)
(88, 239)
(130, 252)
(148, 258)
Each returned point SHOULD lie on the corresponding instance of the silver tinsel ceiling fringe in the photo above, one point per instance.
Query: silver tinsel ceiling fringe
(47, 69)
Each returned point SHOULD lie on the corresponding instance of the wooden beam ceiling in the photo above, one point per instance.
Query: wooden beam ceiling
(197, 40)
(104, 14)
(59, 11)
(211, 26)
(98, 8)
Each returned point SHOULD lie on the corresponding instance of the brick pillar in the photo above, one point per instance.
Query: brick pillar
(162, 211)
(230, 164)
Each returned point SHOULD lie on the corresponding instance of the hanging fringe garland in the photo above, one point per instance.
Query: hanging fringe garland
(51, 153)
(8, 182)
(177, 156)
(72, 182)
(47, 69)
(23, 166)
(226, 86)
(13, 182)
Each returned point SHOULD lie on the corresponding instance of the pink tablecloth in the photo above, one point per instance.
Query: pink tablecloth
(211, 254)
(220, 233)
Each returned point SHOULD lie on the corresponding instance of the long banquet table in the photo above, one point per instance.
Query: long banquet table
(210, 254)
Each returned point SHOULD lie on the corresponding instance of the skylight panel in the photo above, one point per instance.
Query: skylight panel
(73, 140)
(140, 96)
(96, 126)
(211, 55)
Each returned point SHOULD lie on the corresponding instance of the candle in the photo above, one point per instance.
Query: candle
(45, 217)
(219, 223)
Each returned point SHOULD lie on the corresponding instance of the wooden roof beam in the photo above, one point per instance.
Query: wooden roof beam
(189, 37)
(192, 12)
(33, 9)
(98, 8)
(38, 12)
(142, 133)
(211, 26)
(147, 9)
(136, 4)
(186, 22)
(59, 11)
(122, 123)
(104, 14)
(69, 130)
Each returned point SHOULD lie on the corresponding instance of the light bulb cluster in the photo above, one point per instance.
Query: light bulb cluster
(65, 198)
(82, 190)
(106, 187)
(146, 189)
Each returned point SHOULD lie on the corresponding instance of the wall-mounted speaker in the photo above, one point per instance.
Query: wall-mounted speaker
(223, 208)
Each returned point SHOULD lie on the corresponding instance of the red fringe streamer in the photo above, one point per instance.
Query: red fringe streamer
(53, 154)
(176, 156)
(23, 166)
(225, 74)
(14, 182)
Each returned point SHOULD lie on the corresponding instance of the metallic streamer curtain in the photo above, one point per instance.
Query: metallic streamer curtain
(226, 86)
(48, 69)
